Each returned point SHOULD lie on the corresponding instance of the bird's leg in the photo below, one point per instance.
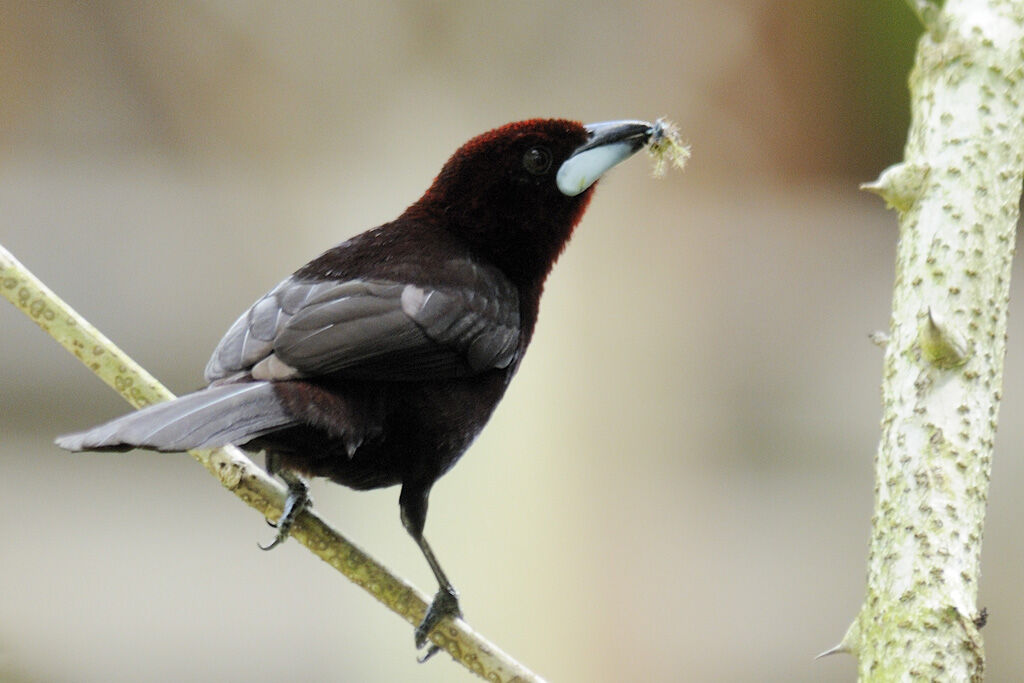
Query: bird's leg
(413, 505)
(444, 604)
(297, 500)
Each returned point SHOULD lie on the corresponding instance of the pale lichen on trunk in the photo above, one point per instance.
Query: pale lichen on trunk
(957, 194)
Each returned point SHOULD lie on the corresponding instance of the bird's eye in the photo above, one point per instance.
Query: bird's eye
(537, 160)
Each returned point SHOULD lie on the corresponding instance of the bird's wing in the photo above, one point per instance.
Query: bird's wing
(376, 328)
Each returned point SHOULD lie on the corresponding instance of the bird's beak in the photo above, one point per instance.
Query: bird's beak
(610, 142)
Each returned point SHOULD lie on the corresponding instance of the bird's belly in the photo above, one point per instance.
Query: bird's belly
(420, 436)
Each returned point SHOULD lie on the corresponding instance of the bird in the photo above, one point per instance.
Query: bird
(378, 363)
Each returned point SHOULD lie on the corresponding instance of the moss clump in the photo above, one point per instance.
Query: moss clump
(666, 147)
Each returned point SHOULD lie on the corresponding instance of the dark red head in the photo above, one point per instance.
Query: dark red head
(516, 193)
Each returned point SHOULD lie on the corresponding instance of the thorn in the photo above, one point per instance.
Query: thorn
(840, 648)
(928, 13)
(900, 185)
(850, 644)
(941, 345)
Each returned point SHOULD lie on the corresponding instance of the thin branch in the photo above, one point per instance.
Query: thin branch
(239, 475)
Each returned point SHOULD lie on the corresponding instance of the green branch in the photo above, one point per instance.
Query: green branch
(239, 475)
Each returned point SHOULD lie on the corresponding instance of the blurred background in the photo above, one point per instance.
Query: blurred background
(678, 485)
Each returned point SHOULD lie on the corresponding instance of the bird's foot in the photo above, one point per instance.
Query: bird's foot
(298, 500)
(444, 604)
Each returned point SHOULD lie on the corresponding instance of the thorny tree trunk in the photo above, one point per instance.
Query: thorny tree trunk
(957, 194)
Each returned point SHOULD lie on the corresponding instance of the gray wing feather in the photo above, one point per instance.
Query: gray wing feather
(377, 328)
(219, 415)
(251, 338)
(486, 334)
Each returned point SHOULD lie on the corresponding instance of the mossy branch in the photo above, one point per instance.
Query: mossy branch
(239, 475)
(957, 194)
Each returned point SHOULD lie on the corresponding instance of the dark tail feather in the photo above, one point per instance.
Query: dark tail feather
(219, 415)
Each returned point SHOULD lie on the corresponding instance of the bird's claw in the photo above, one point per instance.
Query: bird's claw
(445, 604)
(273, 544)
(298, 500)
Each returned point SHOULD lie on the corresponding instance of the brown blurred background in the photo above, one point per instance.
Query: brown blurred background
(678, 485)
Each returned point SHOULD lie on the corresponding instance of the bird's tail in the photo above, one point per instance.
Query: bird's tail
(218, 415)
